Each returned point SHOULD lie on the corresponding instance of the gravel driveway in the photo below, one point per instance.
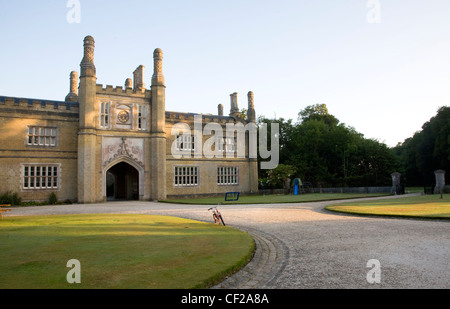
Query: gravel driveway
(301, 246)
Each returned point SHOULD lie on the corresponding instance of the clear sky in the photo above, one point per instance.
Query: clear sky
(381, 66)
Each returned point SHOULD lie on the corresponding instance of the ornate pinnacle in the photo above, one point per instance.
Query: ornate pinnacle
(87, 64)
(158, 77)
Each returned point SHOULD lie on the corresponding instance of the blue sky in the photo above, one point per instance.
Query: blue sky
(384, 79)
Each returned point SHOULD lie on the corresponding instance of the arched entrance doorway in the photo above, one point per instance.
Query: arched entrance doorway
(122, 182)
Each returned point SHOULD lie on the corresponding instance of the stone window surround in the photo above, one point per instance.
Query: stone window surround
(234, 175)
(33, 136)
(185, 143)
(51, 188)
(105, 114)
(187, 177)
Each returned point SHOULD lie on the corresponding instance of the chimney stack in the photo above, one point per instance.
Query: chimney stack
(234, 104)
(251, 114)
(73, 93)
(139, 78)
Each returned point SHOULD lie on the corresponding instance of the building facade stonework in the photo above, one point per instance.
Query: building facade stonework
(115, 143)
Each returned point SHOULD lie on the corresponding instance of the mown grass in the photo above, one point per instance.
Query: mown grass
(424, 206)
(118, 252)
(276, 198)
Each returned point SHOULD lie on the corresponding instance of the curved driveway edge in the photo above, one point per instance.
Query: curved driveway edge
(270, 260)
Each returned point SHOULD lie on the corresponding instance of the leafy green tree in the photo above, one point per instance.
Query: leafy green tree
(427, 150)
(326, 152)
(317, 112)
(243, 113)
(281, 176)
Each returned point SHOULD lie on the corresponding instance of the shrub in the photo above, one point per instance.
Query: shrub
(52, 200)
(10, 198)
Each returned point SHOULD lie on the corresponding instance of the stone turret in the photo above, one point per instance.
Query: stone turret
(87, 95)
(73, 93)
(87, 138)
(220, 109)
(158, 124)
(253, 162)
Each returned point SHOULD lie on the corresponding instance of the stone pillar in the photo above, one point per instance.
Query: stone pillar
(440, 181)
(220, 109)
(396, 183)
(157, 134)
(87, 135)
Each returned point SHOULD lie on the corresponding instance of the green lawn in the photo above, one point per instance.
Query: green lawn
(425, 206)
(118, 251)
(275, 198)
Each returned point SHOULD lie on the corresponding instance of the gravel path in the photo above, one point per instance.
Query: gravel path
(304, 246)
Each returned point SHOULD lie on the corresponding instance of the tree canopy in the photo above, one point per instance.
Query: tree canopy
(325, 152)
(427, 150)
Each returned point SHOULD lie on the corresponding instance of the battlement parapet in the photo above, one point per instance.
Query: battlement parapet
(120, 91)
(39, 104)
(179, 116)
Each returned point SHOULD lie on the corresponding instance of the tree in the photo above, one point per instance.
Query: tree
(281, 176)
(427, 150)
(325, 152)
(243, 113)
(285, 135)
(317, 112)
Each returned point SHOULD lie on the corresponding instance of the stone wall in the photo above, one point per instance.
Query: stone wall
(17, 115)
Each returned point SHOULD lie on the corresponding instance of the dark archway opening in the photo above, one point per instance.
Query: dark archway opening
(122, 182)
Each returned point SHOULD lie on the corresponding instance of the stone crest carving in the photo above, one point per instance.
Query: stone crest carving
(116, 147)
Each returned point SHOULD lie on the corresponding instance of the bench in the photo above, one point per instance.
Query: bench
(3, 210)
(232, 196)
